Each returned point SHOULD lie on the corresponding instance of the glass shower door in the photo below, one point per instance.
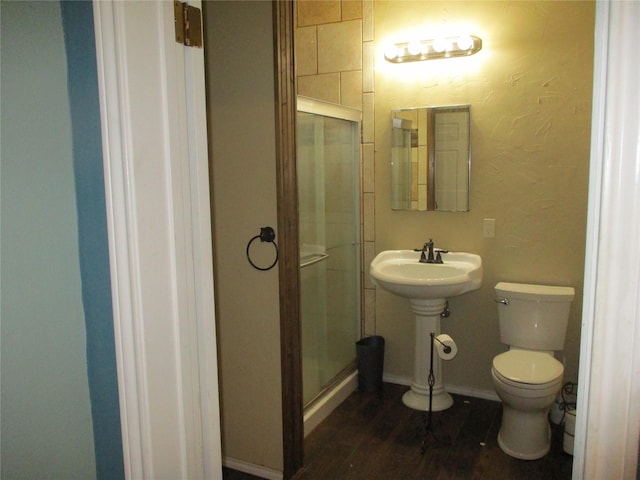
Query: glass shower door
(328, 183)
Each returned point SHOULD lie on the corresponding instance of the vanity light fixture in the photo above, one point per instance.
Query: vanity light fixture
(433, 49)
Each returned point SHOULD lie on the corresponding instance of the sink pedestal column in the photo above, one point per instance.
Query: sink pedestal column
(427, 318)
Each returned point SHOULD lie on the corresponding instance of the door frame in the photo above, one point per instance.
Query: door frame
(608, 419)
(289, 272)
(154, 137)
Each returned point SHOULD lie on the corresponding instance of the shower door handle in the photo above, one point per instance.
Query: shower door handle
(308, 261)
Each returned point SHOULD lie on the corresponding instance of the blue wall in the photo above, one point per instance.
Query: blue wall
(46, 422)
(59, 389)
(77, 21)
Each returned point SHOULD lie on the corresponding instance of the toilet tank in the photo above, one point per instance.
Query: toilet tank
(534, 317)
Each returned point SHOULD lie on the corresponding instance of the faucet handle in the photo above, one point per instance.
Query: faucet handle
(439, 253)
(423, 256)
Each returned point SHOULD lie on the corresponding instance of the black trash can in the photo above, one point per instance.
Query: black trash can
(370, 354)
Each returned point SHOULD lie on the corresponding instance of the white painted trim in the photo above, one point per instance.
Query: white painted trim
(252, 469)
(329, 402)
(202, 256)
(608, 418)
(155, 159)
(473, 392)
(397, 379)
(455, 389)
(327, 109)
(122, 270)
(593, 227)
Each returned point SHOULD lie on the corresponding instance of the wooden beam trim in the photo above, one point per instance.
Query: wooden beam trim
(287, 197)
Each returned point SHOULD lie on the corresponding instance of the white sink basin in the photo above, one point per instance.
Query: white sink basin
(427, 286)
(400, 272)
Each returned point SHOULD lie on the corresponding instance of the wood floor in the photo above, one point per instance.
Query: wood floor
(374, 436)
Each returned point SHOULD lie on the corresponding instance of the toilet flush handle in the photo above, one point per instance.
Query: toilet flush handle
(504, 301)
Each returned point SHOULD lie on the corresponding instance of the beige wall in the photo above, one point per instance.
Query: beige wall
(530, 95)
(240, 89)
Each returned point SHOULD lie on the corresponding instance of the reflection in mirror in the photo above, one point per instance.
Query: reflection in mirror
(431, 158)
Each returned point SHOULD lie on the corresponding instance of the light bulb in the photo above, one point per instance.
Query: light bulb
(391, 52)
(465, 42)
(414, 48)
(439, 45)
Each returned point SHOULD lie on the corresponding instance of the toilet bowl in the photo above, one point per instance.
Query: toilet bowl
(527, 378)
(528, 383)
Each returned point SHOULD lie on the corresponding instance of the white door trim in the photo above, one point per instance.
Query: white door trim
(608, 418)
(156, 175)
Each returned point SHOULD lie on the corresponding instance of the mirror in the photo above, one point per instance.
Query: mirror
(431, 158)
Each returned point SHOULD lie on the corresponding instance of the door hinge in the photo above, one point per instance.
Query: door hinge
(188, 21)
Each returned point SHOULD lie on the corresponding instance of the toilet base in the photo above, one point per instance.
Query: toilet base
(523, 456)
(525, 435)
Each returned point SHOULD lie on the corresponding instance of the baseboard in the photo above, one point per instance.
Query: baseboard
(472, 392)
(395, 379)
(455, 389)
(252, 469)
(321, 410)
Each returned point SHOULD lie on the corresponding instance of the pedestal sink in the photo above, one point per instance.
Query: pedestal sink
(427, 286)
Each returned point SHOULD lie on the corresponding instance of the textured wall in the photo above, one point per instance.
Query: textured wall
(530, 95)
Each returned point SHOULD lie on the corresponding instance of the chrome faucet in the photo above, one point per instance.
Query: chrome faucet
(427, 255)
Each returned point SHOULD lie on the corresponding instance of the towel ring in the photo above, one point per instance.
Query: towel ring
(267, 234)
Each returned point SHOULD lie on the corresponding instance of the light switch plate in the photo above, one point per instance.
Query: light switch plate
(489, 228)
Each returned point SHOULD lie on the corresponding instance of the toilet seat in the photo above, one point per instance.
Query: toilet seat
(527, 369)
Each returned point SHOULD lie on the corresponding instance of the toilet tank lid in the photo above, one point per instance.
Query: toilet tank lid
(525, 291)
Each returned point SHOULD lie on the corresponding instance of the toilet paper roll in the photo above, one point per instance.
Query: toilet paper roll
(445, 340)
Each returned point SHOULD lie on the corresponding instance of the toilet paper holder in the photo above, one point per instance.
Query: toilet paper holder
(427, 419)
(445, 348)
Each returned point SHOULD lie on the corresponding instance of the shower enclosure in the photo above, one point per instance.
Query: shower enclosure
(328, 171)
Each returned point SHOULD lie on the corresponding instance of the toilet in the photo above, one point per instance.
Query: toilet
(533, 323)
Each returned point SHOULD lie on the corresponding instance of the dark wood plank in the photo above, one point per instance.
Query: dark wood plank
(379, 438)
(375, 437)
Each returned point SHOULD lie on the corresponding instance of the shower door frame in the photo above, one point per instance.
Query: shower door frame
(340, 112)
